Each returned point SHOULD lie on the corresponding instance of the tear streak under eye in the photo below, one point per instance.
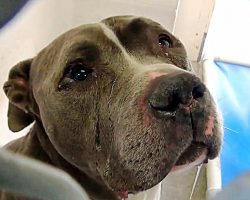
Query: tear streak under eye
(64, 83)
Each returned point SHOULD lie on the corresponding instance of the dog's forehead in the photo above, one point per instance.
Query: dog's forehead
(124, 39)
(122, 30)
(129, 22)
(140, 37)
(135, 32)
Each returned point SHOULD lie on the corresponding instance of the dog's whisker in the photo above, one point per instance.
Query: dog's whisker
(225, 127)
(231, 130)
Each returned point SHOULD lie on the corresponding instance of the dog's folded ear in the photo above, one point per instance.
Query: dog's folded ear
(17, 90)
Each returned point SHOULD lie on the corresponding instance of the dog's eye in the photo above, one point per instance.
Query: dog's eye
(79, 72)
(165, 41)
(75, 72)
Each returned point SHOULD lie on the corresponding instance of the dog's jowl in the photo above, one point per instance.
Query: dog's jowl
(115, 104)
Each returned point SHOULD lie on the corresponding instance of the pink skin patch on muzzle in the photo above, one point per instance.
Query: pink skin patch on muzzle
(209, 126)
(153, 75)
(142, 101)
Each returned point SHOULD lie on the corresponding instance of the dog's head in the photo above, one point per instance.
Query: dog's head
(118, 97)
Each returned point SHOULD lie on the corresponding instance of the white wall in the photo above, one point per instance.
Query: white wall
(192, 23)
(229, 33)
(42, 21)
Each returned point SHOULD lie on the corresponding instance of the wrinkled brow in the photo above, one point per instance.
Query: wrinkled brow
(86, 50)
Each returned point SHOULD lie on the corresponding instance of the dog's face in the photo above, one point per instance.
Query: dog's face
(119, 97)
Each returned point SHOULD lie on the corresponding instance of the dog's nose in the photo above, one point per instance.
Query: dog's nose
(175, 89)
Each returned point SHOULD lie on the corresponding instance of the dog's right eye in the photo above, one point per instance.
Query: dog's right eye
(75, 72)
(79, 72)
(165, 41)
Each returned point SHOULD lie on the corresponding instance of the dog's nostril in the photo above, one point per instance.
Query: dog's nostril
(168, 106)
(198, 91)
(171, 108)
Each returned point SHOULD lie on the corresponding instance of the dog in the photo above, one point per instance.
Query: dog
(115, 104)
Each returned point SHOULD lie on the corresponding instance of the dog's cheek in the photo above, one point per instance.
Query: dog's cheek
(143, 158)
(69, 124)
(78, 123)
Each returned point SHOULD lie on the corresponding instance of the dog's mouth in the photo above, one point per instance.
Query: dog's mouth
(196, 154)
(200, 160)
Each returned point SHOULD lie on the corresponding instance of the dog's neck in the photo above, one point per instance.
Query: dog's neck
(92, 184)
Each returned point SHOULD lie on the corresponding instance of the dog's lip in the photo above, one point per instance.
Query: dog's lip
(200, 160)
(123, 194)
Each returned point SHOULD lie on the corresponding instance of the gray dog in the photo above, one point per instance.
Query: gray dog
(115, 105)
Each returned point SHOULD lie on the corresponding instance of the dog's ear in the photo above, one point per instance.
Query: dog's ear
(17, 90)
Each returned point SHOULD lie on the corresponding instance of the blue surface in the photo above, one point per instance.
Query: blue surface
(233, 98)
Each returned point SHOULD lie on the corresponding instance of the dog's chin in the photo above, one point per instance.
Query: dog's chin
(192, 157)
(179, 168)
(195, 155)
(176, 169)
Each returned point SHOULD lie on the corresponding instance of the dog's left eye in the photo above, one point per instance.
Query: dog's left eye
(79, 72)
(165, 41)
